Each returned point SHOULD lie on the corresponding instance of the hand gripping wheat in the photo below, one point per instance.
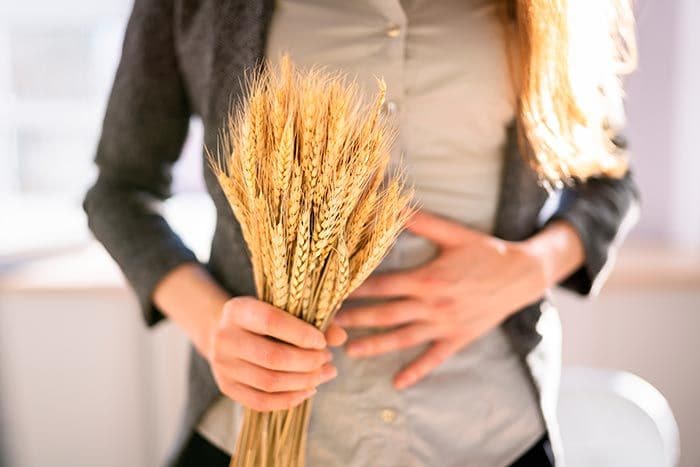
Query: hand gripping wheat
(304, 163)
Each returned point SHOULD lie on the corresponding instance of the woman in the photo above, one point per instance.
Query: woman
(454, 358)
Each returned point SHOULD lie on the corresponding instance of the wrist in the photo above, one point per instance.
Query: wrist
(208, 322)
(557, 251)
(192, 299)
(538, 266)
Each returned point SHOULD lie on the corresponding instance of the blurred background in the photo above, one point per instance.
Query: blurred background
(83, 383)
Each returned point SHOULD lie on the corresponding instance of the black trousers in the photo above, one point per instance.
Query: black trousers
(199, 452)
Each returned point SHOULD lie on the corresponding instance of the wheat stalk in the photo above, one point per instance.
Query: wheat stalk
(303, 163)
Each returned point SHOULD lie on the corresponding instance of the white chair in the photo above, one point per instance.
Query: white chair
(613, 418)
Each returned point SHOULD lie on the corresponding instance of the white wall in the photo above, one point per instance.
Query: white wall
(84, 384)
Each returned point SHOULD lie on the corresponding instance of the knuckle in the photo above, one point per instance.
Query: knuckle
(272, 356)
(238, 308)
(230, 307)
(258, 401)
(380, 285)
(216, 349)
(228, 389)
(268, 319)
(236, 304)
(269, 381)
(431, 279)
(424, 278)
(439, 281)
(444, 305)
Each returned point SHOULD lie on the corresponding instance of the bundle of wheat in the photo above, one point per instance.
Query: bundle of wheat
(303, 163)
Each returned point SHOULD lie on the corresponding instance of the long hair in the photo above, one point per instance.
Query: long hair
(567, 60)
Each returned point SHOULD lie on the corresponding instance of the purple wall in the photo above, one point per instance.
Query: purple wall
(650, 110)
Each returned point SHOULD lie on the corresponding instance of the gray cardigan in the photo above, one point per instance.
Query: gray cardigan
(186, 57)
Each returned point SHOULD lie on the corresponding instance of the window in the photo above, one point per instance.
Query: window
(57, 65)
(57, 61)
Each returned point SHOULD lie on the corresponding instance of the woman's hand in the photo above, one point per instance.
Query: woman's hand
(475, 283)
(267, 359)
(260, 356)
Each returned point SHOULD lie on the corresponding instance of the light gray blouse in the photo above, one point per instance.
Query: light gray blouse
(449, 91)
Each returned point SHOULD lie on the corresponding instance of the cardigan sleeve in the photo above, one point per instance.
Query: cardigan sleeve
(602, 210)
(143, 132)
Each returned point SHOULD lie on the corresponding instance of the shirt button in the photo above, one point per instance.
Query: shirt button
(387, 415)
(393, 30)
(391, 107)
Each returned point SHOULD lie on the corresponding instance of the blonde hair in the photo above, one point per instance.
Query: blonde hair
(571, 56)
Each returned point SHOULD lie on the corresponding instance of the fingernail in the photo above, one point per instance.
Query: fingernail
(329, 355)
(318, 342)
(328, 373)
(354, 350)
(310, 393)
(403, 382)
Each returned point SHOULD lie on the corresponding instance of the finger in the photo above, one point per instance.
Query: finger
(441, 231)
(432, 358)
(396, 339)
(390, 284)
(274, 355)
(335, 335)
(263, 401)
(392, 313)
(262, 318)
(272, 381)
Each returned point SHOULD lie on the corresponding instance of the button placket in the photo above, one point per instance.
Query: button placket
(395, 32)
